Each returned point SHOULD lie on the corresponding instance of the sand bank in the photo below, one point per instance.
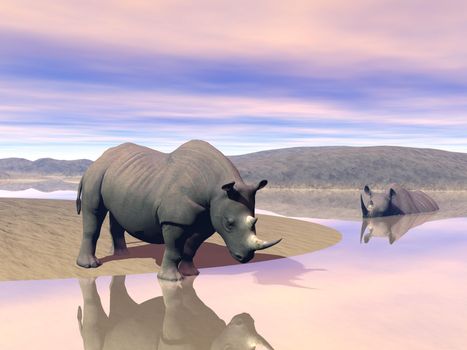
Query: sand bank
(40, 239)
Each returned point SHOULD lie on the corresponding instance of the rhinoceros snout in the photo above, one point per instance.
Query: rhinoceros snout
(253, 244)
(244, 258)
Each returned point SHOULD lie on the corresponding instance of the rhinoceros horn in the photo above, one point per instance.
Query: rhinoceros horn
(257, 244)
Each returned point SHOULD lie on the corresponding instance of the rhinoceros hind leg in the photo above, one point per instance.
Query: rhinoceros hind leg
(174, 239)
(92, 223)
(118, 237)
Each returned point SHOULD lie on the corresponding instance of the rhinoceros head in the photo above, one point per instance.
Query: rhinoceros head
(232, 215)
(240, 333)
(378, 204)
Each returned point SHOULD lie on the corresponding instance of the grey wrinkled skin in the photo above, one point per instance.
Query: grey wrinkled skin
(179, 199)
(395, 201)
(178, 319)
(392, 227)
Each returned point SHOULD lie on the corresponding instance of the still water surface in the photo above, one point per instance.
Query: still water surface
(384, 289)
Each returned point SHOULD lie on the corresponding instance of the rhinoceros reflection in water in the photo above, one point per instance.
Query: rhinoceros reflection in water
(176, 320)
(392, 227)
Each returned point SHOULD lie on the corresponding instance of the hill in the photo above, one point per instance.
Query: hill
(307, 167)
(353, 167)
(43, 166)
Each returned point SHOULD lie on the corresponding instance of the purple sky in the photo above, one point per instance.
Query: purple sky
(77, 78)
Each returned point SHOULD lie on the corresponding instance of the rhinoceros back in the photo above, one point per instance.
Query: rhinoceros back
(412, 202)
(194, 174)
(200, 168)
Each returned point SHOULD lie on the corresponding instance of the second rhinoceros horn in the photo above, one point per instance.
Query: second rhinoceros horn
(251, 221)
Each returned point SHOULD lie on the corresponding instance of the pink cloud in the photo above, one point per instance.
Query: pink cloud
(333, 34)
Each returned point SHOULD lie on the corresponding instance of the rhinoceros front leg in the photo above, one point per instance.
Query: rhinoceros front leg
(174, 239)
(187, 267)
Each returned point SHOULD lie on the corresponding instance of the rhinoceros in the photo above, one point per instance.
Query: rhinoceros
(395, 201)
(178, 319)
(179, 199)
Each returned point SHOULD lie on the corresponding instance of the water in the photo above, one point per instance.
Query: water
(33, 193)
(359, 294)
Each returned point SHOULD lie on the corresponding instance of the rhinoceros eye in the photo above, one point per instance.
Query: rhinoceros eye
(229, 223)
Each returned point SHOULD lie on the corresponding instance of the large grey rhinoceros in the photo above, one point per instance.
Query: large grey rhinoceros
(395, 201)
(179, 199)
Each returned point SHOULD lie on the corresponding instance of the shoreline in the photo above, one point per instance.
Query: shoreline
(40, 238)
(60, 182)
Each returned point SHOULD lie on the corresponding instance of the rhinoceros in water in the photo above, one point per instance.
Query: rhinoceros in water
(395, 201)
(179, 199)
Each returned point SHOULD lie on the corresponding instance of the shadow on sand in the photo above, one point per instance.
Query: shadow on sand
(286, 272)
(176, 320)
(208, 255)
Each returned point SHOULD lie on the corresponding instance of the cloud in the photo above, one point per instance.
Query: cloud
(244, 76)
(37, 102)
(77, 116)
(30, 58)
(429, 33)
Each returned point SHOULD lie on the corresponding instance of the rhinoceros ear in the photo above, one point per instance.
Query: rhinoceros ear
(228, 186)
(230, 189)
(367, 190)
(261, 184)
(392, 192)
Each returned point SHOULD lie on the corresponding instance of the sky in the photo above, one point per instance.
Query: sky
(77, 77)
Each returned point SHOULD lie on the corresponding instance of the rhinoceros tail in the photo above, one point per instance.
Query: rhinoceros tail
(78, 198)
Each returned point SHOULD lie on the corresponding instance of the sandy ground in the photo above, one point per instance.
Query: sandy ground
(40, 239)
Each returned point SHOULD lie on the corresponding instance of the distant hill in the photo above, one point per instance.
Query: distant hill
(353, 167)
(312, 167)
(44, 166)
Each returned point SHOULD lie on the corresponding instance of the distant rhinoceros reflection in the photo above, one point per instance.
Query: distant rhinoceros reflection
(176, 320)
(392, 227)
